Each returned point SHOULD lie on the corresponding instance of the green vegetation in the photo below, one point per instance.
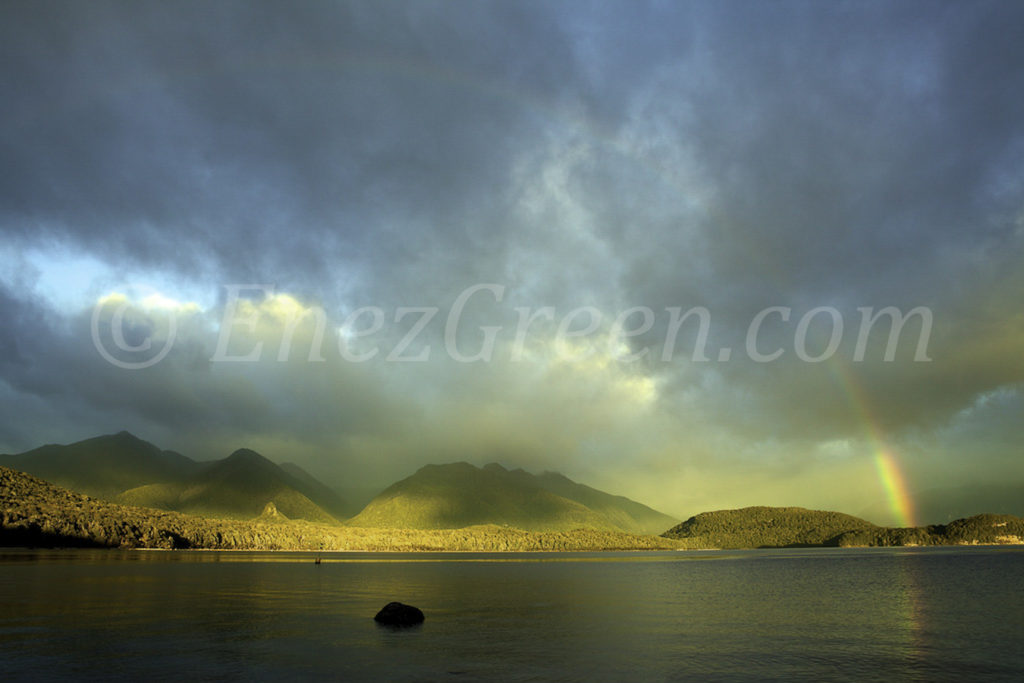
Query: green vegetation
(238, 487)
(104, 466)
(768, 527)
(625, 514)
(985, 529)
(765, 527)
(461, 495)
(162, 499)
(124, 469)
(36, 513)
(121, 468)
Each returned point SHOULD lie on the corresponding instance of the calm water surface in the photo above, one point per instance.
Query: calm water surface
(822, 614)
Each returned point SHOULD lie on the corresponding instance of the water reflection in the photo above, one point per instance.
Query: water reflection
(911, 600)
(803, 614)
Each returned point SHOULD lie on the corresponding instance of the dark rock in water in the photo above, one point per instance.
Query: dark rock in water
(397, 614)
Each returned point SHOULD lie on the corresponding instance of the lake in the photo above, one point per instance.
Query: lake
(919, 614)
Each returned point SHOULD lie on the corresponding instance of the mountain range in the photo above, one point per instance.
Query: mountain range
(34, 513)
(104, 466)
(124, 469)
(241, 486)
(159, 498)
(460, 494)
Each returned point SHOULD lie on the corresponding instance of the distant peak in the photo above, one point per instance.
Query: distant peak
(448, 465)
(122, 438)
(125, 435)
(494, 467)
(246, 455)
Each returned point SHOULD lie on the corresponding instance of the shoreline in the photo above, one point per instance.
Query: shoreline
(349, 551)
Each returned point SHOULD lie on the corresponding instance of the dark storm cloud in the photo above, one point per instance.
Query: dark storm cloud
(728, 155)
(848, 158)
(253, 141)
(326, 142)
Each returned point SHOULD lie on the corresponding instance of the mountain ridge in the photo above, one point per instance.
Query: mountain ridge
(239, 486)
(105, 465)
(123, 468)
(459, 494)
(35, 513)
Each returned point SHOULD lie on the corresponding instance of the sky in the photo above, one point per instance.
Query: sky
(636, 243)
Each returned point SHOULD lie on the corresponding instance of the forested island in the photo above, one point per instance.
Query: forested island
(793, 527)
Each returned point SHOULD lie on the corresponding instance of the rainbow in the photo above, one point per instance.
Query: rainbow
(900, 502)
(890, 474)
